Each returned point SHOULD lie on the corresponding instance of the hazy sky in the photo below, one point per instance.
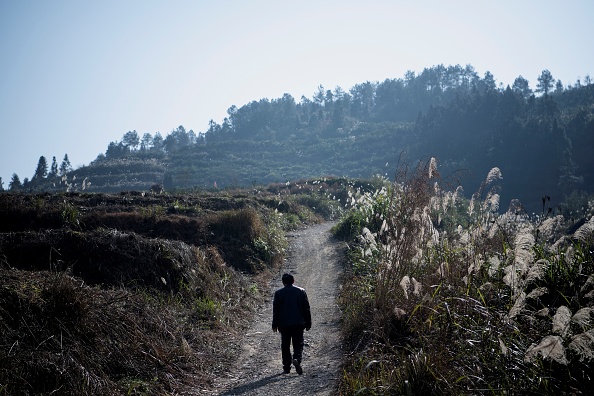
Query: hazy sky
(76, 75)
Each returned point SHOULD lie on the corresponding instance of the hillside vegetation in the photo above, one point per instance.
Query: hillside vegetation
(445, 296)
(459, 280)
(141, 293)
(540, 136)
(135, 293)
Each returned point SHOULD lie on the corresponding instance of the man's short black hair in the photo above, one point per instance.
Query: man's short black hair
(288, 279)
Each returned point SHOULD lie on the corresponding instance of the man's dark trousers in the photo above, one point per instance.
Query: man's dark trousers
(294, 334)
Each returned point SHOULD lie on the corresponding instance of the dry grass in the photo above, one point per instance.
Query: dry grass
(446, 296)
(70, 338)
(133, 293)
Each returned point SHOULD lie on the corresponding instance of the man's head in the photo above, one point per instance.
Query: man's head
(288, 279)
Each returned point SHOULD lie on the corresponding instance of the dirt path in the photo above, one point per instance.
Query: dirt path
(314, 260)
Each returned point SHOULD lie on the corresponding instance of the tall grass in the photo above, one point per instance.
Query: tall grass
(445, 295)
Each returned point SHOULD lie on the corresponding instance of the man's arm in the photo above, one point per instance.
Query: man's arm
(306, 311)
(275, 312)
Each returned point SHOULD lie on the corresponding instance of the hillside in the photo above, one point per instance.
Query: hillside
(539, 139)
(136, 293)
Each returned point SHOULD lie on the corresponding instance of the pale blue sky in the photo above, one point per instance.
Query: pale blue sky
(75, 75)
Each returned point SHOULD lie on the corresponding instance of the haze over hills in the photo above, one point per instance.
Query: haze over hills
(79, 75)
(539, 137)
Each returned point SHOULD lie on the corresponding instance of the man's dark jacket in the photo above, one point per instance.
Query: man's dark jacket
(290, 307)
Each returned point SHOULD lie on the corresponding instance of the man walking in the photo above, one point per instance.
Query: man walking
(291, 315)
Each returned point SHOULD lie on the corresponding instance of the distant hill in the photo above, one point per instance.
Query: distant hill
(541, 140)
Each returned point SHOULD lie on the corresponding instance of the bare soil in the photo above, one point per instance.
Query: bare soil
(314, 259)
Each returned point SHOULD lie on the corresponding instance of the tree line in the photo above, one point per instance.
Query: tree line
(43, 172)
(468, 121)
(330, 111)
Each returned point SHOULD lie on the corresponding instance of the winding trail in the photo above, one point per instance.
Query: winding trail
(314, 259)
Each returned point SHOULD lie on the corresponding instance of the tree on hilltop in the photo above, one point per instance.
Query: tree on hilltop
(53, 168)
(41, 170)
(146, 142)
(65, 167)
(116, 150)
(559, 87)
(131, 140)
(545, 82)
(522, 87)
(177, 139)
(158, 142)
(15, 183)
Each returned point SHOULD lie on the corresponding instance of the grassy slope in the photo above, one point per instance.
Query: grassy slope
(137, 293)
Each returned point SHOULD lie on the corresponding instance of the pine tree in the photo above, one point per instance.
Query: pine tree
(15, 182)
(545, 82)
(41, 170)
(53, 169)
(65, 167)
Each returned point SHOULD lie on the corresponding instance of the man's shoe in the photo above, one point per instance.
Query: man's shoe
(286, 371)
(297, 366)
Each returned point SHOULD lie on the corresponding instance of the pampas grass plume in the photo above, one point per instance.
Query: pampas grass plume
(584, 233)
(433, 167)
(494, 174)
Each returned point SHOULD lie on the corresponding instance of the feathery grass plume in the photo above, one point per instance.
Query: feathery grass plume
(493, 229)
(435, 203)
(584, 233)
(458, 194)
(588, 286)
(471, 206)
(543, 313)
(537, 293)
(490, 199)
(489, 346)
(569, 255)
(561, 321)
(433, 168)
(523, 253)
(448, 201)
(515, 207)
(493, 201)
(417, 287)
(503, 347)
(367, 238)
(493, 265)
(559, 244)
(583, 318)
(384, 228)
(537, 271)
(551, 228)
(523, 258)
(406, 209)
(582, 345)
(464, 237)
(399, 313)
(494, 174)
(518, 306)
(550, 348)
(405, 285)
